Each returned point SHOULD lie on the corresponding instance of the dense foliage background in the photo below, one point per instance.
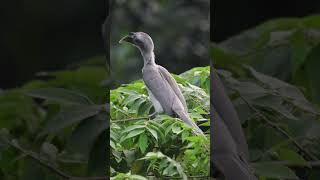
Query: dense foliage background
(55, 127)
(271, 73)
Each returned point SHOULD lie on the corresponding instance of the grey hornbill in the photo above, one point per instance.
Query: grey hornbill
(163, 90)
(229, 147)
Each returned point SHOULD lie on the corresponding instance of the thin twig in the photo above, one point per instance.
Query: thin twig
(90, 178)
(40, 161)
(129, 119)
(283, 132)
(294, 164)
(170, 177)
(277, 147)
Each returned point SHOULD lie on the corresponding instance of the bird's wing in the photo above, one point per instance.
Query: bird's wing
(159, 88)
(173, 84)
(166, 95)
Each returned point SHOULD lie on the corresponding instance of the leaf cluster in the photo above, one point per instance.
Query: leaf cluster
(55, 127)
(164, 146)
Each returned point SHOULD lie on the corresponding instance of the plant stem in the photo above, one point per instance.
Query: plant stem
(129, 119)
(283, 132)
(50, 167)
(294, 164)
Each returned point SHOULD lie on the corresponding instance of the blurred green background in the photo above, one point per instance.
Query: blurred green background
(179, 29)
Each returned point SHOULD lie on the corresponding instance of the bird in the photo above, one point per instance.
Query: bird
(162, 88)
(229, 148)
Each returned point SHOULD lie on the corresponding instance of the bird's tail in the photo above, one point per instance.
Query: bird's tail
(233, 168)
(185, 117)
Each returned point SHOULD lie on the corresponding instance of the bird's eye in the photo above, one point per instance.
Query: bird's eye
(138, 41)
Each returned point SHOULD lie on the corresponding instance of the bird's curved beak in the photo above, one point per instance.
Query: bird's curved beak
(127, 38)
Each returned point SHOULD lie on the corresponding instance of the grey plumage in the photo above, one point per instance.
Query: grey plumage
(229, 148)
(163, 90)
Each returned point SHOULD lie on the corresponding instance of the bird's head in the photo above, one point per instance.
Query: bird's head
(139, 39)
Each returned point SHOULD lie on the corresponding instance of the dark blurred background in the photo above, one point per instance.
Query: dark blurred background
(46, 35)
(180, 31)
(42, 35)
(229, 17)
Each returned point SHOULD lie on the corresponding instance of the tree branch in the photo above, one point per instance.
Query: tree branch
(50, 167)
(283, 132)
(129, 119)
(294, 164)
(37, 159)
(192, 177)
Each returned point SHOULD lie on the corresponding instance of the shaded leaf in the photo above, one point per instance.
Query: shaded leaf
(69, 116)
(269, 170)
(59, 95)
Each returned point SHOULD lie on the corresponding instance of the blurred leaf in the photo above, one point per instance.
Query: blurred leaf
(88, 131)
(70, 115)
(312, 65)
(267, 80)
(30, 170)
(59, 95)
(292, 156)
(270, 170)
(98, 161)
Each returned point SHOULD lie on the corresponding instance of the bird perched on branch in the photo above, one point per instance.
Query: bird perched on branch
(163, 90)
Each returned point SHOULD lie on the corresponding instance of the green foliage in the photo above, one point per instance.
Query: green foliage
(281, 124)
(60, 121)
(286, 48)
(163, 146)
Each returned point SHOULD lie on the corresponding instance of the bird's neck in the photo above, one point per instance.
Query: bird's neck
(148, 58)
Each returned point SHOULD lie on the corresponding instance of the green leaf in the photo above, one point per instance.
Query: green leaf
(70, 115)
(296, 97)
(270, 170)
(274, 103)
(133, 127)
(267, 80)
(130, 99)
(98, 162)
(176, 129)
(312, 69)
(153, 132)
(157, 127)
(143, 142)
(292, 156)
(131, 134)
(250, 90)
(87, 132)
(184, 135)
(30, 170)
(300, 50)
(60, 95)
